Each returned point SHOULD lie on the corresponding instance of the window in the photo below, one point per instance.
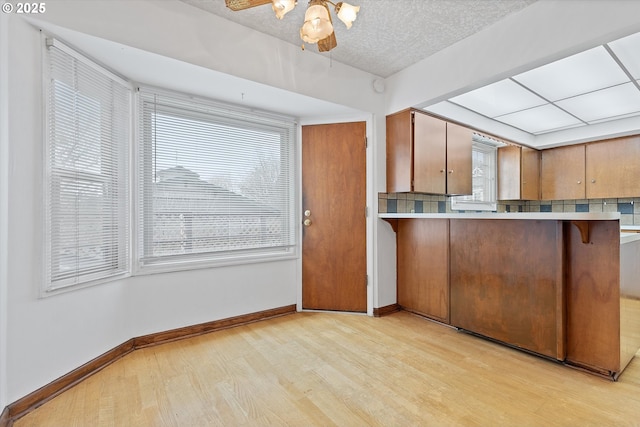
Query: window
(216, 183)
(483, 174)
(87, 198)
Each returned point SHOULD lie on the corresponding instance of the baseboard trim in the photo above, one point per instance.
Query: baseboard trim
(28, 403)
(31, 401)
(388, 309)
(4, 418)
(205, 328)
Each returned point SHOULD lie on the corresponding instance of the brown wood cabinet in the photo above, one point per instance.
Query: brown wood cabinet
(562, 173)
(613, 168)
(427, 155)
(518, 173)
(600, 169)
(423, 267)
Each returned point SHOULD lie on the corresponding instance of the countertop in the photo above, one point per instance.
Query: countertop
(553, 216)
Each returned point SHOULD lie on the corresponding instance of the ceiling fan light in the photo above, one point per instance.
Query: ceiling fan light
(282, 7)
(317, 22)
(347, 13)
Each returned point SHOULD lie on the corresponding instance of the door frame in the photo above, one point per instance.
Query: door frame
(370, 200)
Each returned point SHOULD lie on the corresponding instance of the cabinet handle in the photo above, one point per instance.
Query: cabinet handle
(451, 171)
(441, 170)
(593, 181)
(579, 182)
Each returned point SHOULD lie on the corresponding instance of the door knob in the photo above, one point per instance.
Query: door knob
(307, 213)
(307, 222)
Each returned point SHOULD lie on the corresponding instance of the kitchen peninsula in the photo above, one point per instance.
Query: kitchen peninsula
(561, 285)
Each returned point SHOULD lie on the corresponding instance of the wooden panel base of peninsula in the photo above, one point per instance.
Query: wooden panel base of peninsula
(506, 282)
(423, 267)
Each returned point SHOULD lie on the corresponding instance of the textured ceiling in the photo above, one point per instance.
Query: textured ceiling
(388, 35)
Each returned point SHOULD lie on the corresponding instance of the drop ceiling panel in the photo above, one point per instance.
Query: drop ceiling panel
(498, 98)
(622, 100)
(627, 51)
(587, 71)
(540, 119)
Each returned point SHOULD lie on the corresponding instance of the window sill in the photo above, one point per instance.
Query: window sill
(159, 267)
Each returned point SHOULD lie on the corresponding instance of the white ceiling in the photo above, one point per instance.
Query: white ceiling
(374, 43)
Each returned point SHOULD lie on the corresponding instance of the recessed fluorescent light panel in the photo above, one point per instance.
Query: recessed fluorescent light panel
(607, 103)
(597, 85)
(498, 98)
(585, 72)
(540, 119)
(626, 49)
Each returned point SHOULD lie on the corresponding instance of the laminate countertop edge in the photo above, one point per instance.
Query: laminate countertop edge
(552, 216)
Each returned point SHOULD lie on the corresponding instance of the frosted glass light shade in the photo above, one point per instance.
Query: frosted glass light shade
(317, 23)
(347, 13)
(282, 7)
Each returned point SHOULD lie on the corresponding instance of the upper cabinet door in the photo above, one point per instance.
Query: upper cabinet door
(399, 152)
(612, 168)
(518, 173)
(530, 188)
(509, 171)
(459, 162)
(563, 173)
(430, 155)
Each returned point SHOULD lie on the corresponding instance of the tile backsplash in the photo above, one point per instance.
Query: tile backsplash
(629, 208)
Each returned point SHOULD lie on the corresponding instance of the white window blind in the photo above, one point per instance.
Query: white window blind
(216, 183)
(87, 122)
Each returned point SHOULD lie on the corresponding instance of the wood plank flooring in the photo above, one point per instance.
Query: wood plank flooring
(326, 369)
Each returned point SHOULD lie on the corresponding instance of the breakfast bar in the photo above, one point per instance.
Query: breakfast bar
(565, 286)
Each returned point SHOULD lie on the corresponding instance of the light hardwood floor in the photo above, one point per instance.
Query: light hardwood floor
(326, 369)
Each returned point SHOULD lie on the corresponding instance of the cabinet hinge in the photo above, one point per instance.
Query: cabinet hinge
(366, 280)
(366, 142)
(366, 211)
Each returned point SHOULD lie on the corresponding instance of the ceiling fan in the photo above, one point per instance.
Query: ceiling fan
(317, 27)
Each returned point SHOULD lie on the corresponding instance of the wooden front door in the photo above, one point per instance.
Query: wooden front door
(334, 261)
